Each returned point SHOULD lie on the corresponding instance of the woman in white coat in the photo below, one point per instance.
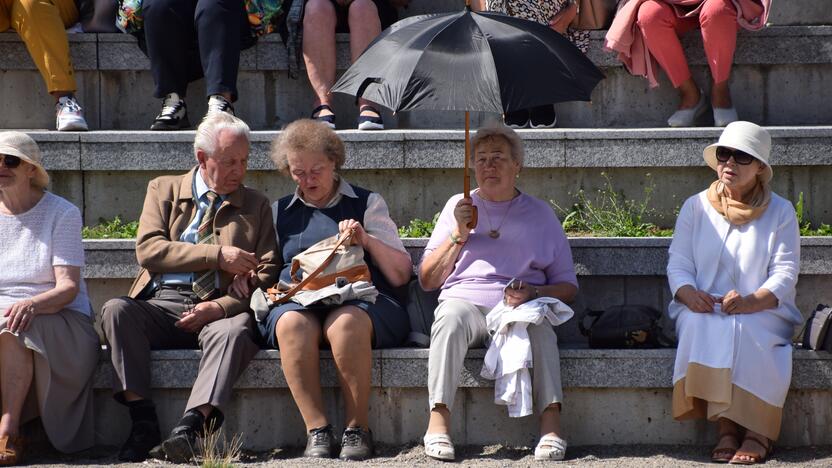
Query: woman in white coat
(733, 268)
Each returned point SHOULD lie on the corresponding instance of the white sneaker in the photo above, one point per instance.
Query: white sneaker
(688, 117)
(217, 103)
(724, 115)
(69, 115)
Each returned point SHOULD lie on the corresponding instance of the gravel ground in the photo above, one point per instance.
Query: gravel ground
(473, 456)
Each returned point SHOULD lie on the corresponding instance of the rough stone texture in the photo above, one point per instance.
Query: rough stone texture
(27, 104)
(607, 393)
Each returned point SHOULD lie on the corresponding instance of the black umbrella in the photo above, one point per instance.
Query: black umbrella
(469, 61)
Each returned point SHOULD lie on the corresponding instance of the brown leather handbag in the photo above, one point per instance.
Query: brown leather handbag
(594, 14)
(321, 264)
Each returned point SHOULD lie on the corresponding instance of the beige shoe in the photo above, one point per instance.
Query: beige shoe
(439, 446)
(550, 448)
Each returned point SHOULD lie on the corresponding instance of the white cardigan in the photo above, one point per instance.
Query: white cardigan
(768, 255)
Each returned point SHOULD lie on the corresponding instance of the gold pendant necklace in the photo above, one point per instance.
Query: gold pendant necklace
(495, 233)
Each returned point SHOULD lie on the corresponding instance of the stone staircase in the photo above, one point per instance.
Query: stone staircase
(781, 79)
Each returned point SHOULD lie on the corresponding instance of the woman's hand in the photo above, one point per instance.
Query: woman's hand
(20, 315)
(735, 303)
(359, 237)
(560, 21)
(243, 284)
(464, 214)
(518, 292)
(695, 300)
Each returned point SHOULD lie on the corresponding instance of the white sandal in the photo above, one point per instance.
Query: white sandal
(439, 446)
(550, 448)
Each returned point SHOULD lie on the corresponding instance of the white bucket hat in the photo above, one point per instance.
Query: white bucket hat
(24, 147)
(747, 137)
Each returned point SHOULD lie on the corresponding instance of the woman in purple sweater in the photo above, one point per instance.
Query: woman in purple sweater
(518, 236)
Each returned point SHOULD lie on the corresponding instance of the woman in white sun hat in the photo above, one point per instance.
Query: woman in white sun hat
(48, 347)
(733, 268)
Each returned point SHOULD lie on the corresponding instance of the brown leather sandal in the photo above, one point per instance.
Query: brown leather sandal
(724, 454)
(11, 450)
(753, 458)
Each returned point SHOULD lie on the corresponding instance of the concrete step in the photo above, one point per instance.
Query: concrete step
(610, 271)
(611, 397)
(106, 173)
(781, 77)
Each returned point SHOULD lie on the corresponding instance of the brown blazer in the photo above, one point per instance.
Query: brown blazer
(244, 220)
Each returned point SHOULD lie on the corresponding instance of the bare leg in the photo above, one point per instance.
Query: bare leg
(440, 420)
(751, 445)
(689, 94)
(319, 49)
(721, 95)
(365, 26)
(550, 421)
(349, 332)
(15, 378)
(298, 336)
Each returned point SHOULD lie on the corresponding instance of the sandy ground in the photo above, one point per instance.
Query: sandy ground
(470, 456)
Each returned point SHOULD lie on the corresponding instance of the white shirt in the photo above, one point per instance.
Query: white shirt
(712, 255)
(34, 242)
(377, 221)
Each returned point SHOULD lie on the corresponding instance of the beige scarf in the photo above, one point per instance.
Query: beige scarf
(735, 211)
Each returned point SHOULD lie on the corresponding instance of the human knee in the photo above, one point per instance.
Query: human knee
(115, 312)
(362, 11)
(449, 320)
(716, 9)
(348, 321)
(294, 325)
(318, 15)
(653, 13)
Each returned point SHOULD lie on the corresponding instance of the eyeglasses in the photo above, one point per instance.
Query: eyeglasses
(10, 161)
(724, 154)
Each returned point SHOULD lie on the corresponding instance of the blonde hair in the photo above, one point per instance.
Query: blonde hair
(210, 128)
(498, 130)
(307, 135)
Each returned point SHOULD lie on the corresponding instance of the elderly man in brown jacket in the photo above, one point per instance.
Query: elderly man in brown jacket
(197, 232)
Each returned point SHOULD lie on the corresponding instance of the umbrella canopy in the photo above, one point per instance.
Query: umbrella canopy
(469, 61)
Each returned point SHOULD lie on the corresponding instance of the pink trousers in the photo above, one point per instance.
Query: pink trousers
(662, 28)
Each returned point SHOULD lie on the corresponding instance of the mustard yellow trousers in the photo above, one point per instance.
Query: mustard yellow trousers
(42, 25)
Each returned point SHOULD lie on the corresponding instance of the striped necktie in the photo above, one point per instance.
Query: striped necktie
(204, 284)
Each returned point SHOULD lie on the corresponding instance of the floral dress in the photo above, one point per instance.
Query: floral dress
(539, 11)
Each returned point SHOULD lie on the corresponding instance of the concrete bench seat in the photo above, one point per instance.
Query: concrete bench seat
(105, 173)
(611, 397)
(775, 70)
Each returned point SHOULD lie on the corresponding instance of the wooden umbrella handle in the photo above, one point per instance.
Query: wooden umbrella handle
(467, 180)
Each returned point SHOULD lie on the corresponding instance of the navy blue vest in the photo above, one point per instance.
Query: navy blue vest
(300, 226)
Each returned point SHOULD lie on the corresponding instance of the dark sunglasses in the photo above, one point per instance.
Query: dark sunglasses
(10, 161)
(724, 154)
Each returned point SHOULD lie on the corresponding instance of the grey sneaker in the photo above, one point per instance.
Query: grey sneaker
(320, 443)
(357, 444)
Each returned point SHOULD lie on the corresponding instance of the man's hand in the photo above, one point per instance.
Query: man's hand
(242, 285)
(202, 314)
(236, 261)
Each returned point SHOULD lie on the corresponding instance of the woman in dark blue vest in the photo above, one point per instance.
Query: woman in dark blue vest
(323, 205)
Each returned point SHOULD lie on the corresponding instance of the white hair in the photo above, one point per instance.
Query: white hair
(210, 128)
(494, 129)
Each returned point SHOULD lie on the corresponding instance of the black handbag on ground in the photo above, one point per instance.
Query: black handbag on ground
(624, 326)
(816, 331)
(420, 306)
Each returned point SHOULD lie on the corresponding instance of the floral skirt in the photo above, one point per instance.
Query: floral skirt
(539, 11)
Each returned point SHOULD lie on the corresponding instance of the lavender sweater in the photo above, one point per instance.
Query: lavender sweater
(532, 248)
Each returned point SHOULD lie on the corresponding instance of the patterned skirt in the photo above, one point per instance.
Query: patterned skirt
(539, 11)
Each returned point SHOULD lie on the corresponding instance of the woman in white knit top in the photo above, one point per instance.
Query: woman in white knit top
(733, 270)
(48, 347)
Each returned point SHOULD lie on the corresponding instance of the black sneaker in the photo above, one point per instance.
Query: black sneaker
(543, 116)
(356, 444)
(174, 115)
(144, 435)
(320, 443)
(181, 444)
(217, 103)
(517, 119)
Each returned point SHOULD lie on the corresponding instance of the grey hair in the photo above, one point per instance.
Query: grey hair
(498, 130)
(210, 128)
(307, 135)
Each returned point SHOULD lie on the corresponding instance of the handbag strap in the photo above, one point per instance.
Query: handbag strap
(298, 287)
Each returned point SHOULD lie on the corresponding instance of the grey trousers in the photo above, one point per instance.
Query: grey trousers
(134, 327)
(459, 325)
